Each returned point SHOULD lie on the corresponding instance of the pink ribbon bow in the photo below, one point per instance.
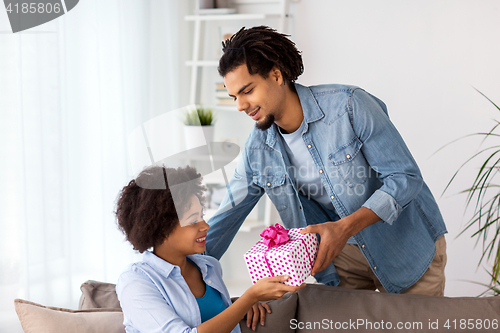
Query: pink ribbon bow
(275, 235)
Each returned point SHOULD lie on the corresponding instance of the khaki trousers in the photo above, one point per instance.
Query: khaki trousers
(355, 273)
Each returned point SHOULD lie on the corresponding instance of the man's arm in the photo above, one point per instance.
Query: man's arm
(240, 199)
(388, 155)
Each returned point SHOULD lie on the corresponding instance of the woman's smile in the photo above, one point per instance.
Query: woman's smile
(202, 240)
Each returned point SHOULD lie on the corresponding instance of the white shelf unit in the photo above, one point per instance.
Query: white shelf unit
(281, 12)
(247, 11)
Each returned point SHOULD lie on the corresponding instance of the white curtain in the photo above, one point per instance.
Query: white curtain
(71, 91)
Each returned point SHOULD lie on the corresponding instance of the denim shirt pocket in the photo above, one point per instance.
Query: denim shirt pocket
(275, 188)
(350, 163)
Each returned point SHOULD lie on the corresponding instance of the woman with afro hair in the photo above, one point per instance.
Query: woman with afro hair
(175, 288)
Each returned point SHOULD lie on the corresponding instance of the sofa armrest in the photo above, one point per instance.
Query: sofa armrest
(345, 310)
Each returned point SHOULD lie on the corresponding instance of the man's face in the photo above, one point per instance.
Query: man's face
(260, 98)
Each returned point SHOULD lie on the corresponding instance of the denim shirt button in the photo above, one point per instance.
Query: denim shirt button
(209, 281)
(374, 267)
(320, 171)
(348, 156)
(300, 207)
(332, 197)
(309, 146)
(363, 246)
(268, 184)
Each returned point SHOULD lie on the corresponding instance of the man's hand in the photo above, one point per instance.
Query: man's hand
(334, 237)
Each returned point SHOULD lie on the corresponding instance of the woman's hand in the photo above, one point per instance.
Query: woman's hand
(270, 288)
(265, 289)
(258, 310)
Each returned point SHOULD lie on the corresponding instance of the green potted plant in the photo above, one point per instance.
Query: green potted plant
(484, 193)
(198, 126)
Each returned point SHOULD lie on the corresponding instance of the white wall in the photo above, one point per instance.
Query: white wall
(422, 58)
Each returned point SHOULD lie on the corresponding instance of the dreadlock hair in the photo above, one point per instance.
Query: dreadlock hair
(145, 210)
(261, 48)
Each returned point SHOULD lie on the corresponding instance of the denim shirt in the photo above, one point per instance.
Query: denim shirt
(155, 297)
(362, 160)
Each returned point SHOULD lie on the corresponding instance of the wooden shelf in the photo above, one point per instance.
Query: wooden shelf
(230, 17)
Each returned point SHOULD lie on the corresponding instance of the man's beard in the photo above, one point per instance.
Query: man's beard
(265, 123)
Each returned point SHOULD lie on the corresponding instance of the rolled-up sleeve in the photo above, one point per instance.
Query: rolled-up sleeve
(387, 154)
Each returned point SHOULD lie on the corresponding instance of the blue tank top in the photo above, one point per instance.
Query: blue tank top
(211, 304)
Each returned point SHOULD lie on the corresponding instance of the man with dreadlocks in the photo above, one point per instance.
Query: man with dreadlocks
(331, 161)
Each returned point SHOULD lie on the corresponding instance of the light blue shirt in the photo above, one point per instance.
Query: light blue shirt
(155, 297)
(362, 161)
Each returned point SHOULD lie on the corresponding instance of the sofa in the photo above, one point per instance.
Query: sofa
(315, 308)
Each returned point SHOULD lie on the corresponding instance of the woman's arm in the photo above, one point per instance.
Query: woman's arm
(145, 308)
(265, 289)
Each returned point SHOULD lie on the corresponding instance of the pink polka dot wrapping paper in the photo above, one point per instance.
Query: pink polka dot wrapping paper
(294, 258)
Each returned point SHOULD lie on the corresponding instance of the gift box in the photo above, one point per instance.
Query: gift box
(282, 252)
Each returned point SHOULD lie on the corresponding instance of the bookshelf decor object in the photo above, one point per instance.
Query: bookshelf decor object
(234, 13)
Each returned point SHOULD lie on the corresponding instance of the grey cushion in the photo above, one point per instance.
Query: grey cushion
(282, 311)
(36, 318)
(97, 295)
(326, 306)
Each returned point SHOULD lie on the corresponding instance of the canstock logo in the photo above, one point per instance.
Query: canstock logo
(26, 14)
(156, 142)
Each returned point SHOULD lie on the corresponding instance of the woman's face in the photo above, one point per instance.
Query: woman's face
(189, 235)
